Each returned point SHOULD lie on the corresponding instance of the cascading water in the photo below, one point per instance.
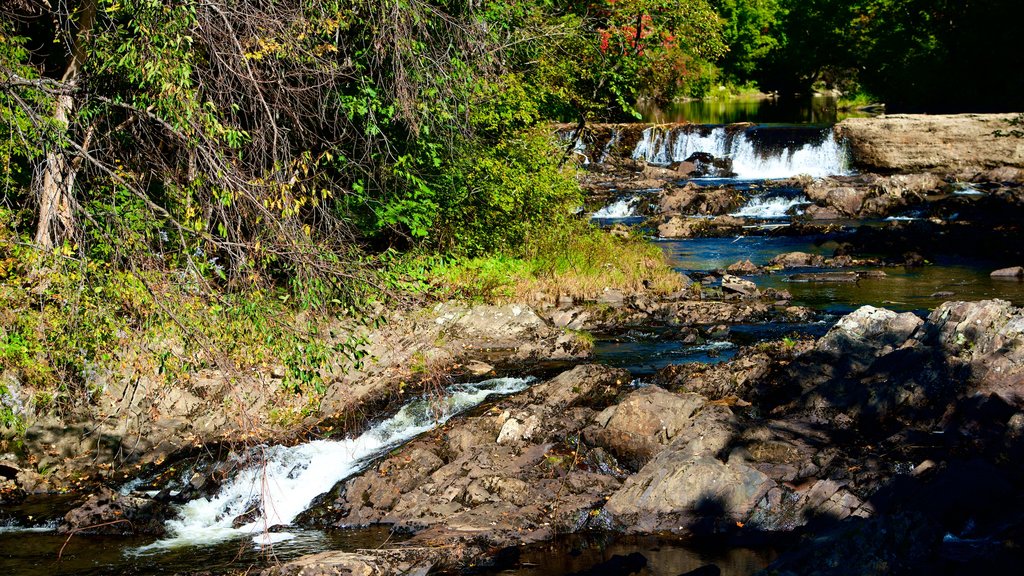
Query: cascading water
(754, 152)
(767, 207)
(276, 492)
(621, 208)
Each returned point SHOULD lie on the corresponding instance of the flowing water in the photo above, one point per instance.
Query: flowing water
(757, 152)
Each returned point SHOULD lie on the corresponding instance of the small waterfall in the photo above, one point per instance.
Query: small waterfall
(290, 477)
(621, 208)
(756, 153)
(766, 207)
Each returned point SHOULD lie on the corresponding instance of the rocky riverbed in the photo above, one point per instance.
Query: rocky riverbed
(876, 441)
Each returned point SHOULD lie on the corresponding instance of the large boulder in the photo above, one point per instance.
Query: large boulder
(642, 424)
(944, 143)
(109, 512)
(986, 340)
(695, 485)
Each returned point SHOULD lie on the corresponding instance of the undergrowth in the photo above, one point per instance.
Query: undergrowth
(69, 324)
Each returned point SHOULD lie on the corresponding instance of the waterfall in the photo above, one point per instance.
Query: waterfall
(288, 479)
(621, 208)
(756, 153)
(770, 207)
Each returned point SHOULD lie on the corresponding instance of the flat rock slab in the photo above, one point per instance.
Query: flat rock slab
(945, 143)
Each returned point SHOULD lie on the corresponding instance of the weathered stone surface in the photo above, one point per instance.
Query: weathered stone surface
(109, 512)
(738, 285)
(691, 486)
(944, 143)
(797, 260)
(743, 268)
(640, 426)
(367, 563)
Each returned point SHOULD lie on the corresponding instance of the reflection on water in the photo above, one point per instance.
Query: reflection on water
(918, 289)
(902, 289)
(793, 110)
(704, 254)
(609, 554)
(50, 554)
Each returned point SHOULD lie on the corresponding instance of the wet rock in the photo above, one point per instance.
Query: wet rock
(642, 424)
(707, 165)
(816, 212)
(1013, 273)
(512, 474)
(109, 512)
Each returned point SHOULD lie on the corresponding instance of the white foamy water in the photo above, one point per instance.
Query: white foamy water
(291, 477)
(621, 208)
(664, 146)
(771, 207)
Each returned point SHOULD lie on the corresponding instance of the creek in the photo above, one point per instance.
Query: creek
(206, 535)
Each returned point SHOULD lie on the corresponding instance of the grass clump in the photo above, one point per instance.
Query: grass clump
(576, 260)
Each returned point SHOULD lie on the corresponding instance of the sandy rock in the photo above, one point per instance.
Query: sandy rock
(367, 563)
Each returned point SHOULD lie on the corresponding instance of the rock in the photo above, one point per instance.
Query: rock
(640, 426)
(798, 260)
(816, 212)
(109, 512)
(987, 339)
(738, 285)
(1013, 273)
(686, 488)
(743, 268)
(367, 563)
(611, 297)
(509, 475)
(917, 143)
(478, 368)
(869, 328)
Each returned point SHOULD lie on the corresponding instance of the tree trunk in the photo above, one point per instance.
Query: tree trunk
(55, 181)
